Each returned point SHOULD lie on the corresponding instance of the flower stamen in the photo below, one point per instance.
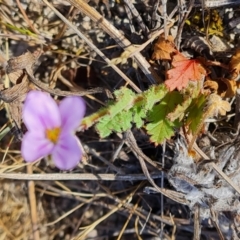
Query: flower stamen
(53, 134)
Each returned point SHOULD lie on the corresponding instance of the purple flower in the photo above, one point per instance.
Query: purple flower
(51, 129)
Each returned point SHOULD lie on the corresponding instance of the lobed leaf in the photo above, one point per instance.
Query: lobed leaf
(183, 71)
(191, 92)
(196, 113)
(119, 123)
(159, 127)
(153, 95)
(129, 108)
(164, 48)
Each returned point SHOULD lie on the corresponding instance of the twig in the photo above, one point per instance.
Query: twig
(136, 15)
(128, 220)
(136, 228)
(164, 6)
(87, 230)
(129, 139)
(162, 186)
(139, 212)
(22, 37)
(216, 168)
(117, 36)
(64, 27)
(237, 110)
(183, 20)
(26, 17)
(33, 204)
(117, 151)
(26, 62)
(197, 228)
(129, 16)
(92, 46)
(152, 36)
(6, 231)
(77, 176)
(215, 3)
(215, 223)
(174, 228)
(108, 163)
(155, 19)
(178, 197)
(65, 214)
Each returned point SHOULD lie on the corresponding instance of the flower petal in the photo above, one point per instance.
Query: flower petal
(72, 110)
(67, 153)
(40, 112)
(35, 146)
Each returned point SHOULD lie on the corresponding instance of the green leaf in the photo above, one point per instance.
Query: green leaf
(146, 101)
(88, 121)
(118, 117)
(119, 123)
(128, 109)
(180, 111)
(124, 98)
(196, 112)
(189, 93)
(160, 131)
(153, 95)
(159, 127)
(139, 114)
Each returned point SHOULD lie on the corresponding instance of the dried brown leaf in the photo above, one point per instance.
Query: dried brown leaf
(232, 87)
(234, 65)
(164, 48)
(211, 85)
(15, 111)
(16, 94)
(225, 88)
(217, 106)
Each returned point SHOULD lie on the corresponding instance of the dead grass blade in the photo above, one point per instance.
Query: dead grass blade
(33, 205)
(92, 46)
(88, 229)
(128, 220)
(117, 36)
(75, 176)
(197, 227)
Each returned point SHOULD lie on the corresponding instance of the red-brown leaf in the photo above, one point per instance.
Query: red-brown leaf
(183, 71)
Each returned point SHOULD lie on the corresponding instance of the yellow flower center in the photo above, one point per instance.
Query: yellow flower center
(53, 134)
